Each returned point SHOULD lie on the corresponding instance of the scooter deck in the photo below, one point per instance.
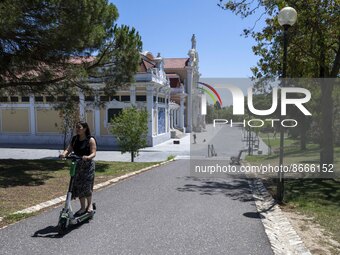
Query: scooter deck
(85, 216)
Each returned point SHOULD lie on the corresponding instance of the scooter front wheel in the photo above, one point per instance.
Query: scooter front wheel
(62, 226)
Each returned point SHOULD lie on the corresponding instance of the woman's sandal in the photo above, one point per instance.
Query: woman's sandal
(80, 212)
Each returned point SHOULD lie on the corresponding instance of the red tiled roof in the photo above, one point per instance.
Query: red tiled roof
(82, 60)
(175, 63)
(145, 64)
(57, 71)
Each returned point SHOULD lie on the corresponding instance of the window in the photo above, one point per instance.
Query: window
(104, 98)
(14, 99)
(125, 98)
(111, 113)
(49, 99)
(89, 98)
(114, 98)
(61, 99)
(39, 99)
(3, 99)
(25, 99)
(75, 98)
(141, 98)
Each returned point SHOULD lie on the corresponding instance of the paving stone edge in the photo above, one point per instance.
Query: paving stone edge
(283, 238)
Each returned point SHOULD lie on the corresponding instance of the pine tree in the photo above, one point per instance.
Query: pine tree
(49, 46)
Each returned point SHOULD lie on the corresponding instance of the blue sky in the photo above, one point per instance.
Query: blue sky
(166, 26)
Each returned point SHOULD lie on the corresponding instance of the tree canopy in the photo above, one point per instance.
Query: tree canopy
(54, 45)
(130, 127)
(314, 41)
(314, 50)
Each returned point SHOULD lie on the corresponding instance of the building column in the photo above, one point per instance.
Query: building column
(97, 118)
(133, 94)
(149, 101)
(166, 120)
(178, 116)
(156, 115)
(181, 113)
(82, 111)
(32, 116)
(166, 114)
(175, 118)
(169, 113)
(189, 100)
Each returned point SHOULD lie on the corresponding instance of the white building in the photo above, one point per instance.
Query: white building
(166, 87)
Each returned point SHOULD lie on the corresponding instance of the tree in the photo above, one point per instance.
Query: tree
(69, 113)
(130, 128)
(54, 46)
(314, 50)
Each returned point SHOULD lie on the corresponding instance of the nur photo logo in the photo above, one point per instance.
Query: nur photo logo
(280, 99)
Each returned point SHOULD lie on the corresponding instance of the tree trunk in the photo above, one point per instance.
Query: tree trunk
(327, 141)
(132, 156)
(64, 142)
(303, 133)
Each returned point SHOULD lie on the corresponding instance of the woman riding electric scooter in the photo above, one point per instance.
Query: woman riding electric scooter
(83, 145)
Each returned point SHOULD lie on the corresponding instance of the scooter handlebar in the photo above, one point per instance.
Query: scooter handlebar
(73, 157)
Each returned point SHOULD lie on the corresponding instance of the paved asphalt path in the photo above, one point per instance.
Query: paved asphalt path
(227, 142)
(162, 211)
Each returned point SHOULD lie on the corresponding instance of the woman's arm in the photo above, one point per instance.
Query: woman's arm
(66, 152)
(93, 150)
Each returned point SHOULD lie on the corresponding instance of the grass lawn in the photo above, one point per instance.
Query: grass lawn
(319, 199)
(24, 183)
(274, 142)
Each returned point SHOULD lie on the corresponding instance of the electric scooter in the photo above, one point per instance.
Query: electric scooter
(67, 217)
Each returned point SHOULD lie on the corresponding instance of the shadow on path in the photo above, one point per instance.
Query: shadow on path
(52, 231)
(236, 189)
(253, 215)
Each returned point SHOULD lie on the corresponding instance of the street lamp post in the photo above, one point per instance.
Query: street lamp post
(287, 18)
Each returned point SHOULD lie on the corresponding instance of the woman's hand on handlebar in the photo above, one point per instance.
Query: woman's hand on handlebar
(86, 158)
(62, 156)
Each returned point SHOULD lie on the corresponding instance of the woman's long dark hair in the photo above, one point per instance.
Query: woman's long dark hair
(85, 125)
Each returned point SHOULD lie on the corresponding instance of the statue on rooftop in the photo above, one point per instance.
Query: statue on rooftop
(193, 42)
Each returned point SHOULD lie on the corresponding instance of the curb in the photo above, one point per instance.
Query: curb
(58, 200)
(282, 237)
